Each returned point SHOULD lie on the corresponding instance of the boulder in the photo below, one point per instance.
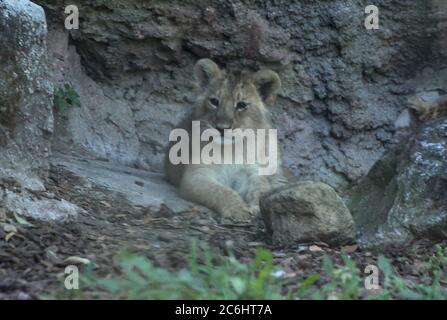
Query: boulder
(26, 117)
(404, 196)
(26, 114)
(307, 212)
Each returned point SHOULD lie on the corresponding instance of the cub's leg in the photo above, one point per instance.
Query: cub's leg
(257, 186)
(201, 186)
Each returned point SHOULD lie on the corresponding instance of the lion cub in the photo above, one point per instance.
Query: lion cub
(227, 100)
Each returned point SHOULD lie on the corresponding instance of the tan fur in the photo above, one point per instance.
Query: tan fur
(429, 110)
(231, 190)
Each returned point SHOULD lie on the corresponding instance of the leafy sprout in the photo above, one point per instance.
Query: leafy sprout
(66, 97)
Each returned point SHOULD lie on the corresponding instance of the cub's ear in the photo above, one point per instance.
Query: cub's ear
(205, 71)
(268, 84)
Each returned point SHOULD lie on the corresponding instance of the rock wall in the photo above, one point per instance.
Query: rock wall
(26, 117)
(26, 114)
(344, 86)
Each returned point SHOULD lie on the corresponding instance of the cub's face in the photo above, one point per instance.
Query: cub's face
(233, 100)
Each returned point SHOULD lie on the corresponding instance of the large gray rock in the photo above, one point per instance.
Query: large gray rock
(404, 196)
(26, 114)
(307, 212)
(26, 118)
(26, 204)
(343, 86)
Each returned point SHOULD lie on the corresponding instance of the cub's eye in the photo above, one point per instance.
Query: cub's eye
(214, 102)
(241, 105)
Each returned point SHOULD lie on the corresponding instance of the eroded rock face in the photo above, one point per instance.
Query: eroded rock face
(404, 196)
(26, 118)
(307, 212)
(343, 86)
(26, 114)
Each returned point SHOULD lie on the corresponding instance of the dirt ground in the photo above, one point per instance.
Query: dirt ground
(31, 259)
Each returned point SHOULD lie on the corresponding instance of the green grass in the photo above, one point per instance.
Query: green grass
(140, 279)
(228, 278)
(348, 282)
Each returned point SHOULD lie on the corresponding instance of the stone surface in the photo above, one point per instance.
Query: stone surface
(26, 204)
(404, 196)
(26, 118)
(26, 114)
(307, 212)
(139, 187)
(344, 87)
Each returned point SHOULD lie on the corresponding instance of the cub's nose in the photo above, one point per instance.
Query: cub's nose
(222, 126)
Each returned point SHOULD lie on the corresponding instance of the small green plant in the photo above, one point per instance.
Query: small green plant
(346, 282)
(214, 278)
(396, 287)
(209, 277)
(438, 261)
(66, 97)
(336, 283)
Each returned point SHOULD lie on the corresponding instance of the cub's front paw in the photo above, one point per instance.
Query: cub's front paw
(236, 214)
